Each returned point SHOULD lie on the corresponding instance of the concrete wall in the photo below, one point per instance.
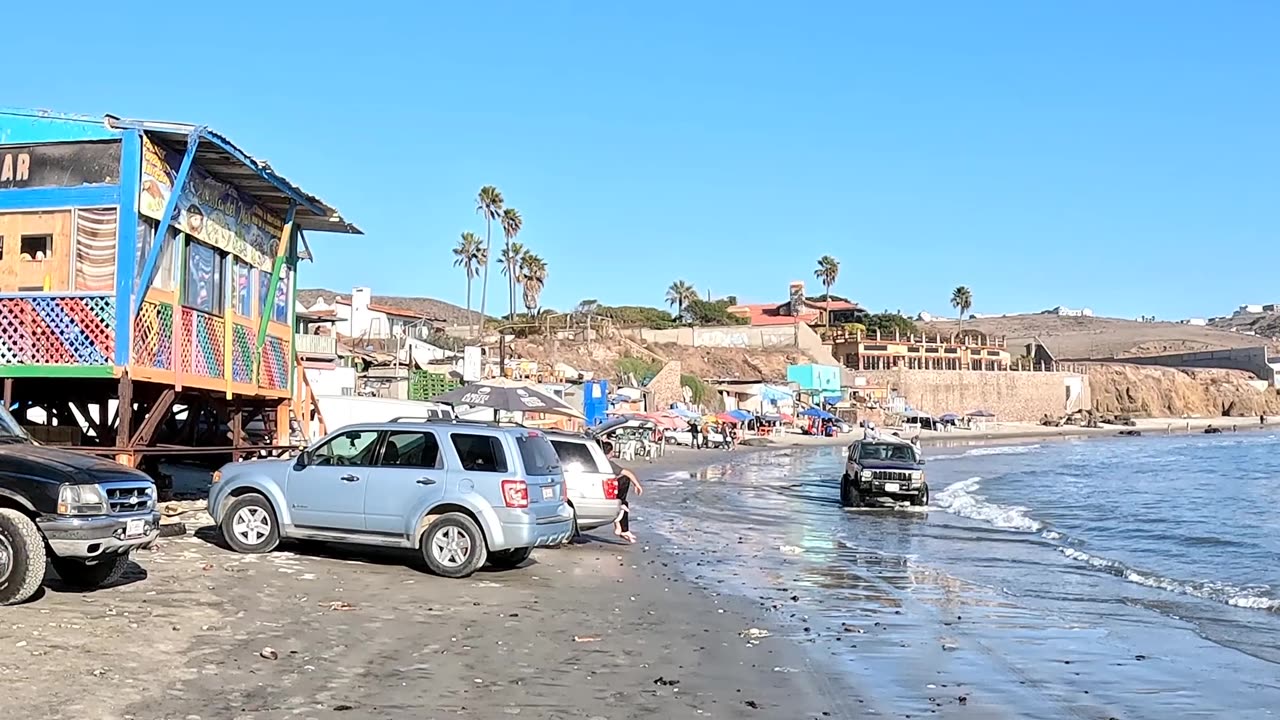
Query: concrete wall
(665, 386)
(728, 336)
(1254, 360)
(1012, 396)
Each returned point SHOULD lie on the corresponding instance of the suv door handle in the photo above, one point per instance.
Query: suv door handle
(426, 481)
(350, 478)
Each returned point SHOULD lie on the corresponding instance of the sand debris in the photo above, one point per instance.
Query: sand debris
(754, 633)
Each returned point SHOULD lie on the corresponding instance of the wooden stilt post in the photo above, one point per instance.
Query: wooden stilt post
(124, 420)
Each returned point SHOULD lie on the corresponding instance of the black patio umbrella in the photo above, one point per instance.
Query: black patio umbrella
(508, 395)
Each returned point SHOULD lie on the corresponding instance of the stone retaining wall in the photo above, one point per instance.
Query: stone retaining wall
(1012, 396)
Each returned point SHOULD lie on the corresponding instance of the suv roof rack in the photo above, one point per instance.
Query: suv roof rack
(454, 421)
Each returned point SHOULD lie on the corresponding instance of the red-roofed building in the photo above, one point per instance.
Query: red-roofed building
(809, 311)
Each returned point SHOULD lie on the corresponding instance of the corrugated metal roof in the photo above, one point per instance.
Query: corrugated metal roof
(225, 161)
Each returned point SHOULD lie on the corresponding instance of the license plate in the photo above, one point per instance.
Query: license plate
(891, 487)
(549, 492)
(134, 528)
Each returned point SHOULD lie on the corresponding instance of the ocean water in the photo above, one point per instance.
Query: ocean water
(1107, 578)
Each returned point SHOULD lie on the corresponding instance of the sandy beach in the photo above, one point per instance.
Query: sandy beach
(594, 630)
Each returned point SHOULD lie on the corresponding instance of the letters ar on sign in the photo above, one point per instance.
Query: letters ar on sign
(60, 165)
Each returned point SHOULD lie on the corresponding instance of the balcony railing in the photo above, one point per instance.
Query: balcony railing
(315, 344)
(57, 329)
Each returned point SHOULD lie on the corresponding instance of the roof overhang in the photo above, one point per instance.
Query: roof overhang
(219, 157)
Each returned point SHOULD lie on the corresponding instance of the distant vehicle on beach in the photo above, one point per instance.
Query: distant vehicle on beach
(884, 468)
(461, 493)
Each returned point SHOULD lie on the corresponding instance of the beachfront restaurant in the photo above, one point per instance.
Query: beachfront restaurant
(147, 281)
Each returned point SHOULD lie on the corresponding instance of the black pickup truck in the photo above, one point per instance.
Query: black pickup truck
(81, 514)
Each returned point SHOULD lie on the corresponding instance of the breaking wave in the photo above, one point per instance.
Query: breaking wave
(961, 499)
(1250, 596)
(996, 450)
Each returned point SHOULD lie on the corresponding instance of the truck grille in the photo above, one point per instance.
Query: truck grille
(899, 476)
(130, 498)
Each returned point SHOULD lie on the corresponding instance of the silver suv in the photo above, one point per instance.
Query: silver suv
(461, 493)
(589, 479)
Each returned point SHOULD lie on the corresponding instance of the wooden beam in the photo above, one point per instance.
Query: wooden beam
(237, 429)
(124, 398)
(8, 393)
(156, 415)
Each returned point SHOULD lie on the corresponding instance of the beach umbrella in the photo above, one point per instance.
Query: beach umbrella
(666, 421)
(509, 396)
(949, 417)
(622, 423)
(728, 418)
(814, 412)
(982, 414)
(686, 414)
(741, 415)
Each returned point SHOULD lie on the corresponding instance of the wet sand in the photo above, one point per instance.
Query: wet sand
(594, 630)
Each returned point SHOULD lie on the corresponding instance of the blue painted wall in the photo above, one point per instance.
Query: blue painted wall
(29, 127)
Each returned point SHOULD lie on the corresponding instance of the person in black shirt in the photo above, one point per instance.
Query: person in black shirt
(626, 480)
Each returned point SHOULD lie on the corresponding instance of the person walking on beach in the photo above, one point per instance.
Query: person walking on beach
(695, 435)
(626, 480)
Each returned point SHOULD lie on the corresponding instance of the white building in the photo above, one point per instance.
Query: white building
(1249, 309)
(1198, 322)
(359, 317)
(1062, 311)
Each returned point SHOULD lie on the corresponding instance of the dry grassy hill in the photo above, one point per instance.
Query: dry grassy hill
(1096, 338)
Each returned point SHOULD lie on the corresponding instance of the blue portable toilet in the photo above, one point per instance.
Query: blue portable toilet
(595, 401)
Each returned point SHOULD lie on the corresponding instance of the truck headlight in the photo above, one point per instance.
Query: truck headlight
(866, 474)
(81, 500)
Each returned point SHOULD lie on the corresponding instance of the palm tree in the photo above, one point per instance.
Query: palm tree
(533, 277)
(512, 254)
(680, 294)
(827, 272)
(511, 224)
(470, 255)
(489, 205)
(962, 300)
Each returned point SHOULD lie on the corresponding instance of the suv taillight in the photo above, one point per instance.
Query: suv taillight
(610, 488)
(515, 493)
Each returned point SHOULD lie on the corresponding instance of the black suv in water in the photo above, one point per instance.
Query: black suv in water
(885, 468)
(79, 513)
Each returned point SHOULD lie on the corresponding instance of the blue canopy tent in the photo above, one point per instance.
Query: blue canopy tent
(819, 413)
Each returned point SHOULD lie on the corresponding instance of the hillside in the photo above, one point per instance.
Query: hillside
(1142, 391)
(1096, 338)
(448, 312)
(1266, 324)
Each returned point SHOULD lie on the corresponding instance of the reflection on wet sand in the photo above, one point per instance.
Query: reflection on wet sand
(927, 606)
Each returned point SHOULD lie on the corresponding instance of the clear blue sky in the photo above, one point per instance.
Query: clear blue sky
(1124, 156)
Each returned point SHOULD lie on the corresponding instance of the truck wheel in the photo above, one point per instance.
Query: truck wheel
(22, 557)
(453, 546)
(81, 575)
(849, 495)
(507, 559)
(249, 525)
(922, 497)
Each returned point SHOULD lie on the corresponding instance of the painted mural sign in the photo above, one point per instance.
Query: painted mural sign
(59, 165)
(208, 209)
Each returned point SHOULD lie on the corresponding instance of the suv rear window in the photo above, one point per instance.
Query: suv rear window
(576, 453)
(538, 456)
(480, 453)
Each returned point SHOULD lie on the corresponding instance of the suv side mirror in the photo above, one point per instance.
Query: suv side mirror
(301, 462)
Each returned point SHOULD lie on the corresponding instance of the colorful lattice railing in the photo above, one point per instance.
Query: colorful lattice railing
(57, 330)
(153, 336)
(201, 350)
(275, 364)
(241, 354)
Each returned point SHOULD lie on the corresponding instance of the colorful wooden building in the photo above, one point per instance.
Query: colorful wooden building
(147, 281)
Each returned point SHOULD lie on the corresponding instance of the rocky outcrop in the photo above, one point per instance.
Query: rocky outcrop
(1143, 391)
